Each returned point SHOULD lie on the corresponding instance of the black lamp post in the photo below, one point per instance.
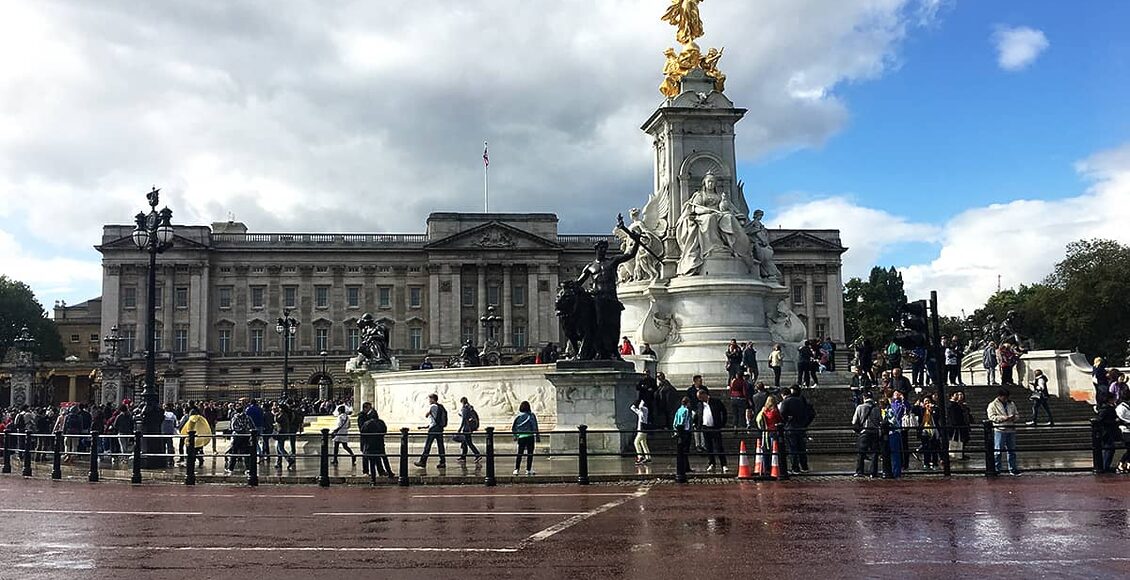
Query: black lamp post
(286, 327)
(324, 381)
(112, 341)
(491, 322)
(153, 234)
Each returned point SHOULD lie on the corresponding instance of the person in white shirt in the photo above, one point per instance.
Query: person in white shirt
(643, 452)
(1002, 412)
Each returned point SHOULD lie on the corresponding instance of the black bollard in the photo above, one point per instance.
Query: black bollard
(490, 479)
(990, 452)
(92, 477)
(253, 460)
(190, 469)
(582, 454)
(27, 453)
(885, 448)
(403, 480)
(7, 452)
(1096, 446)
(137, 442)
(681, 460)
(782, 454)
(324, 460)
(57, 456)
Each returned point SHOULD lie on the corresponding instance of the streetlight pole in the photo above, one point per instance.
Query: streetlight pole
(153, 234)
(324, 381)
(286, 327)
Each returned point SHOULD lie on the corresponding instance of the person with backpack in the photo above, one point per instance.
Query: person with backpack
(468, 424)
(72, 431)
(437, 422)
(341, 435)
(241, 427)
(1039, 398)
(289, 423)
(866, 422)
(525, 429)
(643, 452)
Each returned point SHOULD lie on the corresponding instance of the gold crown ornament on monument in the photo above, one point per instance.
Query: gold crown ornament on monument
(684, 16)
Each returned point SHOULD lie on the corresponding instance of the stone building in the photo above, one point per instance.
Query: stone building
(220, 290)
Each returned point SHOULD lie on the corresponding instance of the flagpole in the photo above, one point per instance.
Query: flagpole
(486, 180)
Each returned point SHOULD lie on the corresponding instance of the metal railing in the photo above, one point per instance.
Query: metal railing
(780, 449)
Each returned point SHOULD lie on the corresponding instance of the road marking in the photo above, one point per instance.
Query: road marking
(99, 513)
(448, 514)
(561, 527)
(254, 495)
(457, 495)
(39, 546)
(994, 562)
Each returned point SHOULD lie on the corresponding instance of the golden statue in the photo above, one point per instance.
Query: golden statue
(672, 74)
(679, 64)
(710, 67)
(683, 14)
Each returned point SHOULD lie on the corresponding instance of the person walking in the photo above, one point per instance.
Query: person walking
(289, 423)
(953, 363)
(364, 416)
(683, 426)
(1002, 413)
(468, 424)
(437, 422)
(268, 431)
(711, 419)
(989, 361)
(776, 358)
(1039, 398)
(526, 433)
(169, 430)
(797, 414)
(241, 428)
(866, 423)
(197, 422)
(806, 365)
(341, 435)
(643, 452)
(373, 431)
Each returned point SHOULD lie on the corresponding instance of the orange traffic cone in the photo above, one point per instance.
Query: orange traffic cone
(775, 469)
(743, 463)
(758, 466)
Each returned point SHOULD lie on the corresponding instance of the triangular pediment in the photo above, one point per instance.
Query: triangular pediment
(804, 240)
(126, 243)
(493, 236)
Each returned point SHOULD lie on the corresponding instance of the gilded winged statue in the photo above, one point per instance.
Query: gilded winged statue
(683, 14)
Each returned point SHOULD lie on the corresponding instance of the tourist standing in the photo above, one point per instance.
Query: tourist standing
(169, 430)
(241, 428)
(1007, 358)
(1122, 411)
(437, 422)
(1107, 418)
(866, 421)
(806, 365)
(289, 424)
(526, 433)
(989, 361)
(958, 426)
(775, 361)
(739, 399)
(692, 394)
(798, 414)
(666, 400)
(646, 350)
(367, 412)
(196, 422)
(643, 452)
(768, 418)
(894, 356)
(373, 431)
(749, 361)
(683, 425)
(1099, 377)
(899, 383)
(626, 347)
(468, 424)
(829, 347)
(860, 382)
(1002, 413)
(711, 419)
(733, 360)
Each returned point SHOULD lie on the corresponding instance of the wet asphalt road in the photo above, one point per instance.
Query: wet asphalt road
(1030, 526)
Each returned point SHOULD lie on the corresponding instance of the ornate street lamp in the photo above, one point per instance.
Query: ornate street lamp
(112, 341)
(286, 327)
(24, 341)
(491, 322)
(153, 234)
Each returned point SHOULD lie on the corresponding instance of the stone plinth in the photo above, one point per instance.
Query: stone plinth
(690, 320)
(170, 392)
(597, 394)
(22, 379)
(113, 382)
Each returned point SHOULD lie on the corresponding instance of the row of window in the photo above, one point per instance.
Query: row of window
(320, 269)
(180, 297)
(494, 295)
(75, 338)
(819, 294)
(258, 296)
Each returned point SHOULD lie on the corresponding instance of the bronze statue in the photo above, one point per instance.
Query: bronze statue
(374, 340)
(469, 355)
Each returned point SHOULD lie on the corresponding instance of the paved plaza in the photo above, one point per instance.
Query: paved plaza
(1043, 526)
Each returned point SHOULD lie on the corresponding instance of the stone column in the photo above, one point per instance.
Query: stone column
(111, 292)
(72, 390)
(482, 310)
(533, 329)
(113, 375)
(23, 376)
(454, 319)
(171, 391)
(834, 298)
(507, 308)
(433, 308)
(549, 329)
(809, 299)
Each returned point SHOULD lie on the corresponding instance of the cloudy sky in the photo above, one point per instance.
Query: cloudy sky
(958, 140)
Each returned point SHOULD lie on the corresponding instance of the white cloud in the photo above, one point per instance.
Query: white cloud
(53, 276)
(1018, 47)
(321, 117)
(1021, 240)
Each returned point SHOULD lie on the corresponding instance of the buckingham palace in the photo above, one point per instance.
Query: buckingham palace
(221, 289)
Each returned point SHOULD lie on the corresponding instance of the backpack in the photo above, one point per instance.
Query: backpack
(472, 421)
(441, 416)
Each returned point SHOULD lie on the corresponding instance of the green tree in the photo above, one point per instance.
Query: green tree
(18, 307)
(871, 307)
(1083, 303)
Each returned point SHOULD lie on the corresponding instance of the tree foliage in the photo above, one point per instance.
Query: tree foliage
(18, 307)
(871, 307)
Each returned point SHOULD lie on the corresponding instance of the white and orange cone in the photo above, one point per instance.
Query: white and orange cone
(743, 463)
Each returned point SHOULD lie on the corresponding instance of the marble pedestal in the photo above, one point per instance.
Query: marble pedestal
(597, 394)
(690, 320)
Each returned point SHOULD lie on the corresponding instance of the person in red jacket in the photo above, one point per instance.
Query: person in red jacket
(626, 347)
